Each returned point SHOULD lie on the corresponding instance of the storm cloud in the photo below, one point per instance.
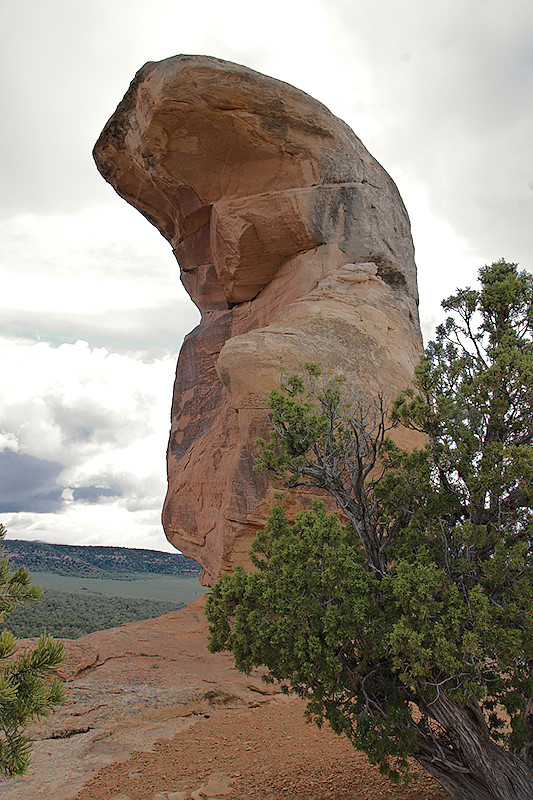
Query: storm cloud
(28, 483)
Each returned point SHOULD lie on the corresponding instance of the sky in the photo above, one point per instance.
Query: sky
(92, 310)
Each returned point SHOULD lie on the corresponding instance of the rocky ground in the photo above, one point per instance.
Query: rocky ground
(262, 753)
(153, 716)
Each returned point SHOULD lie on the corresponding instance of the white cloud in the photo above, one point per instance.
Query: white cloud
(107, 524)
(108, 276)
(102, 416)
(440, 94)
(450, 101)
(66, 402)
(8, 441)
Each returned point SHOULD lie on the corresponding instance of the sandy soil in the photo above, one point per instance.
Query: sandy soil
(267, 753)
(151, 712)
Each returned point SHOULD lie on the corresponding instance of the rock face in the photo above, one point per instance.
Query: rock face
(294, 244)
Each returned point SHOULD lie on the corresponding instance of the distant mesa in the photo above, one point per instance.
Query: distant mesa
(295, 245)
(95, 561)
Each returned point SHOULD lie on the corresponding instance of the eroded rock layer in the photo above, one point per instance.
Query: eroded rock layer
(294, 244)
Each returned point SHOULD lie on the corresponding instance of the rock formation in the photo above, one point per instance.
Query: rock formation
(294, 244)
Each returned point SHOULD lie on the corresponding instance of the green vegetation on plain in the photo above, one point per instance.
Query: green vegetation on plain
(68, 615)
(92, 588)
(171, 588)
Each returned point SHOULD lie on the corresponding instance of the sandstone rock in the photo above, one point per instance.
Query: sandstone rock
(151, 680)
(80, 656)
(166, 717)
(216, 786)
(294, 244)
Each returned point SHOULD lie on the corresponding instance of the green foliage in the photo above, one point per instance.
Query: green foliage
(311, 614)
(69, 615)
(326, 436)
(24, 691)
(410, 630)
(473, 398)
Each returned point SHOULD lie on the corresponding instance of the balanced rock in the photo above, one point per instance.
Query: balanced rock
(294, 244)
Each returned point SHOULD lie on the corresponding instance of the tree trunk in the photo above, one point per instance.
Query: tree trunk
(472, 766)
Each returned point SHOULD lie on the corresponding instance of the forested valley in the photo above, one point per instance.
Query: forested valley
(93, 588)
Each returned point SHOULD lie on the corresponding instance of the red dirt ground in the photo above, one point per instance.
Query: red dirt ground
(270, 753)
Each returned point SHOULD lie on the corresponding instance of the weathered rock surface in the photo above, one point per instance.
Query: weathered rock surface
(151, 715)
(294, 244)
(128, 687)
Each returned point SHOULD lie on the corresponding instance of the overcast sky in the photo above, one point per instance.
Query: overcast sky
(92, 310)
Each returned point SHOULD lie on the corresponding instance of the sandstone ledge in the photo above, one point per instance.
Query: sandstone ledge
(151, 712)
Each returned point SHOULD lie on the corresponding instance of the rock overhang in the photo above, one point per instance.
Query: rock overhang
(272, 205)
(200, 146)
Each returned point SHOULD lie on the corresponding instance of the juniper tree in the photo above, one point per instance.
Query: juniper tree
(408, 629)
(25, 694)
